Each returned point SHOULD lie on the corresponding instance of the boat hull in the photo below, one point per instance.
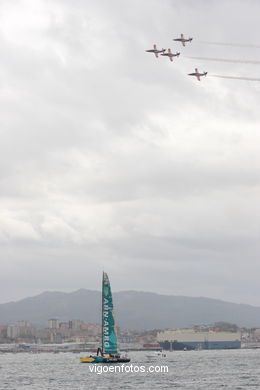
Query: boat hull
(106, 360)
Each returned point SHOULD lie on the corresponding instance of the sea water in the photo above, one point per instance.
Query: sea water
(231, 369)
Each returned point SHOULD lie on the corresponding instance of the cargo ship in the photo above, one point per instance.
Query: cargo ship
(192, 339)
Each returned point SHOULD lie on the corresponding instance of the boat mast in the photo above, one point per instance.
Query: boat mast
(102, 326)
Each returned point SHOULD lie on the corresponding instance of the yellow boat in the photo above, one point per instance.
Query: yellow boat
(104, 359)
(90, 359)
(87, 360)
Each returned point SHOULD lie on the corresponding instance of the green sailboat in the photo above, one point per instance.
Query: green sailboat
(108, 353)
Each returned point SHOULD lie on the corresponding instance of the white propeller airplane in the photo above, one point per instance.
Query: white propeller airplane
(198, 74)
(170, 54)
(183, 40)
(155, 51)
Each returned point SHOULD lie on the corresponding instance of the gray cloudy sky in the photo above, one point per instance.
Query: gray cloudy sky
(113, 159)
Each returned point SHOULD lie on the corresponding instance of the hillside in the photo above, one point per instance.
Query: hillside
(134, 310)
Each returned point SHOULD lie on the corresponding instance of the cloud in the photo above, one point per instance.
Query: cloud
(113, 159)
(13, 227)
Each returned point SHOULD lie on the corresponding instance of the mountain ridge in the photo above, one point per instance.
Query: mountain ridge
(134, 309)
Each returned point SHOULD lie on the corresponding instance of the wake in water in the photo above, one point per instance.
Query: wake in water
(253, 62)
(231, 44)
(234, 77)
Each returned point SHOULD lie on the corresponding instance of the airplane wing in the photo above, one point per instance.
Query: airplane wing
(196, 70)
(198, 77)
(170, 58)
(154, 46)
(182, 36)
(169, 51)
(183, 43)
(156, 55)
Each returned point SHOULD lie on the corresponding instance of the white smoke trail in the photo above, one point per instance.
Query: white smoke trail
(231, 44)
(253, 62)
(234, 77)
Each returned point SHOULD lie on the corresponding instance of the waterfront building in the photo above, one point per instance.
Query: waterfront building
(13, 331)
(75, 324)
(24, 324)
(190, 338)
(53, 323)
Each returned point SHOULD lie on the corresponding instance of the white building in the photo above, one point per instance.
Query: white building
(13, 331)
(53, 323)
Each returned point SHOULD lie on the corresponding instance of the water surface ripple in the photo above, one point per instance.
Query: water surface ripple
(193, 370)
